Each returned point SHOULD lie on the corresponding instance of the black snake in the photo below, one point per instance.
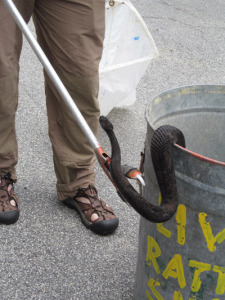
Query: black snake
(161, 152)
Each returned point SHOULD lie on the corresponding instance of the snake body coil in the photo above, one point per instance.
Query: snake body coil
(161, 151)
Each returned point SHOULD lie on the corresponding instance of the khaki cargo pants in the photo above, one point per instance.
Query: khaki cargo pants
(71, 33)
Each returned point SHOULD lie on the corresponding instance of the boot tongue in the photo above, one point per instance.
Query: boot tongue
(91, 191)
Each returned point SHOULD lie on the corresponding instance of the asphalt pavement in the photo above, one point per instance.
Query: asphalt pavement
(48, 254)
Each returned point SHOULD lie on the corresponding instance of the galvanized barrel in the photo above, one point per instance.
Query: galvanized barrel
(184, 258)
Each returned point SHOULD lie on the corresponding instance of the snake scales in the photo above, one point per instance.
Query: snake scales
(161, 152)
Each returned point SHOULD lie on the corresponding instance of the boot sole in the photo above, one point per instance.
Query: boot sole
(9, 217)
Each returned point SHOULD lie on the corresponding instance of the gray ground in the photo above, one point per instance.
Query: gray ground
(48, 254)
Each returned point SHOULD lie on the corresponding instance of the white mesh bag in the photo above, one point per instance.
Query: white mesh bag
(128, 50)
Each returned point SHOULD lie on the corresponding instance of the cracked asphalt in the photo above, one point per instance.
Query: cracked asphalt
(48, 254)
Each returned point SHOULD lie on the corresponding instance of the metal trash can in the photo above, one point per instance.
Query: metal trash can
(184, 258)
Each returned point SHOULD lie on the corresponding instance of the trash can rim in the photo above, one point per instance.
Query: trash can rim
(178, 88)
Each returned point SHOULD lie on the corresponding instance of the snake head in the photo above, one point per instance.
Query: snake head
(105, 124)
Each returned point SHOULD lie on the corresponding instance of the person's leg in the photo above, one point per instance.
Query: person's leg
(10, 48)
(71, 34)
(66, 31)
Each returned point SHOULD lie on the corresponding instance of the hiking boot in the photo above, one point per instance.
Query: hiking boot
(9, 212)
(94, 212)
